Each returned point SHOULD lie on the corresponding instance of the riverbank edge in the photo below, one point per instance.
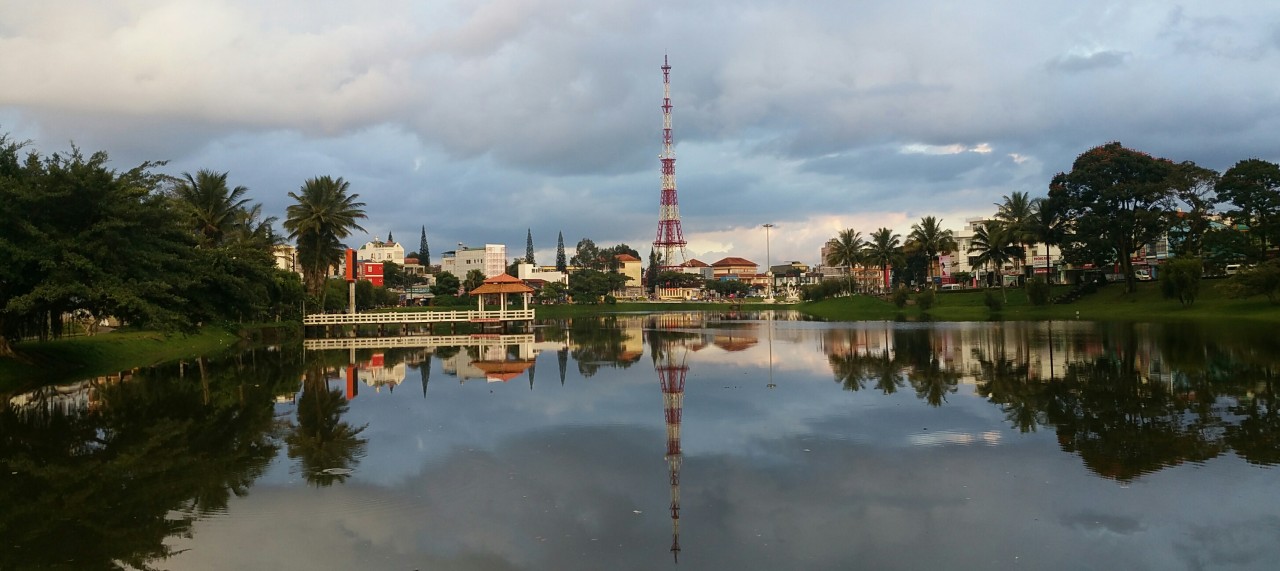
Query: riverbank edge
(75, 358)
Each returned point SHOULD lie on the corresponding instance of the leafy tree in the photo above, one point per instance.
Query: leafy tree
(324, 214)
(1253, 187)
(589, 286)
(994, 242)
(212, 209)
(446, 284)
(651, 273)
(1117, 199)
(474, 279)
(846, 250)
(726, 288)
(528, 247)
(562, 266)
(552, 292)
(394, 276)
(884, 249)
(588, 255)
(1263, 279)
(1181, 279)
(932, 239)
(424, 251)
(675, 279)
(1196, 192)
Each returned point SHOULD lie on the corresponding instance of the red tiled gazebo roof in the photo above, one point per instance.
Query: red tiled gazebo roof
(502, 283)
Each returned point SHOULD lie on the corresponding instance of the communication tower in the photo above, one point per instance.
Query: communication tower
(670, 237)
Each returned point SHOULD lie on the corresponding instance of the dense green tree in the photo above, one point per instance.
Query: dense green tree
(651, 272)
(552, 292)
(1252, 187)
(1196, 196)
(846, 250)
(932, 239)
(727, 288)
(562, 265)
(394, 276)
(587, 255)
(884, 249)
(673, 278)
(589, 286)
(446, 284)
(1262, 279)
(1180, 278)
(1117, 199)
(473, 280)
(323, 215)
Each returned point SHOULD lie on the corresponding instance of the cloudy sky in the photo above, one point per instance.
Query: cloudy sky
(481, 119)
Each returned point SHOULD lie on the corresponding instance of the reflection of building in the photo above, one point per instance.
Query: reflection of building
(496, 362)
(375, 373)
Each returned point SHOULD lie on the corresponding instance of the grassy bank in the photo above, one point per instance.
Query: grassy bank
(76, 358)
(1110, 303)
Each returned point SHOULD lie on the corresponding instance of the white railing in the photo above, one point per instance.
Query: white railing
(425, 341)
(416, 317)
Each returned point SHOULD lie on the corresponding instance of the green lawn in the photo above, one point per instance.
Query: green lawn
(76, 358)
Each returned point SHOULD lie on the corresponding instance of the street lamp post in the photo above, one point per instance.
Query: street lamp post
(768, 263)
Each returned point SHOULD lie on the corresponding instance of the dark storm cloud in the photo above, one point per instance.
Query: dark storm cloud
(544, 114)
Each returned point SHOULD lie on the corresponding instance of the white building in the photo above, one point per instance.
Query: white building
(963, 260)
(379, 251)
(526, 271)
(491, 259)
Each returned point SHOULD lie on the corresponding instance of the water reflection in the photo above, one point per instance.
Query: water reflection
(969, 421)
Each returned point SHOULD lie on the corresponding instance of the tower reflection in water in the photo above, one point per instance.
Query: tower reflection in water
(669, 345)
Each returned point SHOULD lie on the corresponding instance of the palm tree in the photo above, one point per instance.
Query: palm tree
(933, 239)
(1016, 211)
(994, 242)
(323, 216)
(1047, 226)
(212, 209)
(846, 249)
(883, 249)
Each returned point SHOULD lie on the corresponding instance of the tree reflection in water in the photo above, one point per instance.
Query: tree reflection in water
(326, 447)
(100, 481)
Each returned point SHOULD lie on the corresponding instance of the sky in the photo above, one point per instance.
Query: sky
(484, 120)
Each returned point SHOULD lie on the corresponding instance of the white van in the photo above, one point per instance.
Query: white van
(1232, 269)
(952, 287)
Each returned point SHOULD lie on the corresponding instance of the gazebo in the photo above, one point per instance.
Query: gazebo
(502, 285)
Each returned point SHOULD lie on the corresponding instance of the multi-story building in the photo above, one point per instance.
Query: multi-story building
(491, 260)
(382, 251)
(526, 272)
(733, 267)
(629, 266)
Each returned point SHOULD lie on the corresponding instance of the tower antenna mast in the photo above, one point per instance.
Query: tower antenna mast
(670, 237)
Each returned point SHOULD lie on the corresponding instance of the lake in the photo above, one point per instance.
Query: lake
(666, 441)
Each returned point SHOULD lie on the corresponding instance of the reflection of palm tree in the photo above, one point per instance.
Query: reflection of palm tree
(327, 448)
(1009, 385)
(932, 382)
(887, 373)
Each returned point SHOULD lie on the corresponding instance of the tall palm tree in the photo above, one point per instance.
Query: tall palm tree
(994, 242)
(1047, 226)
(323, 216)
(213, 210)
(883, 249)
(1017, 211)
(846, 249)
(933, 239)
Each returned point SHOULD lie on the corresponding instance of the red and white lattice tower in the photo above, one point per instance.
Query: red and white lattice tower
(671, 376)
(670, 237)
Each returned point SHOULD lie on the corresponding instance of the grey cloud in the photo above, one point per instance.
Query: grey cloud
(1098, 60)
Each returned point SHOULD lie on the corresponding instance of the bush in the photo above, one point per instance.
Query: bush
(610, 300)
(925, 299)
(899, 297)
(993, 302)
(1181, 279)
(1038, 291)
(1261, 280)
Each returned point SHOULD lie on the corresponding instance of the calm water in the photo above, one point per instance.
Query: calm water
(726, 441)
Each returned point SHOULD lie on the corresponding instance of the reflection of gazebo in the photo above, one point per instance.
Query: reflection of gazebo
(502, 371)
(502, 285)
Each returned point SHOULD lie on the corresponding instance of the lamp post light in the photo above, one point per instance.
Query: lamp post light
(768, 263)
